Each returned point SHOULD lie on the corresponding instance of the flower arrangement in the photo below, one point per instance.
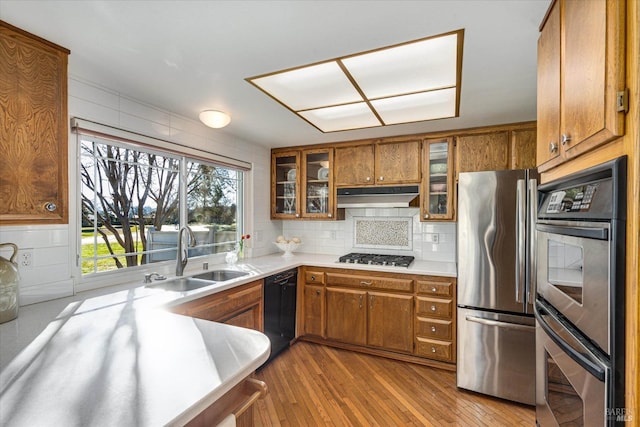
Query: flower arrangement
(241, 243)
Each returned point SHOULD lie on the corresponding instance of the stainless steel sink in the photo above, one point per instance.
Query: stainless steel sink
(183, 284)
(220, 275)
(186, 284)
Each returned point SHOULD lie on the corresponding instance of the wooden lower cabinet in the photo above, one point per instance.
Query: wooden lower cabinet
(241, 306)
(405, 316)
(390, 321)
(314, 309)
(347, 315)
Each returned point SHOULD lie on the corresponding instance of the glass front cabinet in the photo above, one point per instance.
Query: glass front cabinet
(302, 185)
(318, 197)
(285, 190)
(438, 187)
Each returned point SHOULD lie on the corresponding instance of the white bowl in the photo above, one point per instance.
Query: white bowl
(288, 248)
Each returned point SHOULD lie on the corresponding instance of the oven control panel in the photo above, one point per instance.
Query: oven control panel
(576, 199)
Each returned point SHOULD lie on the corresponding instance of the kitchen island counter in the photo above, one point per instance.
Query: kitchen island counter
(114, 356)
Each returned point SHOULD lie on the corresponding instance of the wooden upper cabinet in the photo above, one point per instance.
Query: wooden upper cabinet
(398, 162)
(482, 152)
(285, 185)
(523, 149)
(548, 107)
(354, 165)
(33, 134)
(382, 163)
(582, 45)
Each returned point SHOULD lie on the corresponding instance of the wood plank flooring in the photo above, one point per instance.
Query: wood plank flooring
(316, 385)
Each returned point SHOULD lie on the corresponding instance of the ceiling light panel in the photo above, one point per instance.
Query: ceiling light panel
(343, 117)
(408, 82)
(309, 87)
(413, 67)
(438, 104)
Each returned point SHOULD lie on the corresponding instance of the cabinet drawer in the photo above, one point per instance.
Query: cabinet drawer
(370, 282)
(432, 287)
(314, 277)
(220, 306)
(434, 349)
(433, 328)
(434, 307)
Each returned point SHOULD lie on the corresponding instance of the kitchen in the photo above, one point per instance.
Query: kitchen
(105, 102)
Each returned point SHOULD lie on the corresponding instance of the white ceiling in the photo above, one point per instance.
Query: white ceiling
(187, 56)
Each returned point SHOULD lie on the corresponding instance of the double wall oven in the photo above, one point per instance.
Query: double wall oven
(579, 307)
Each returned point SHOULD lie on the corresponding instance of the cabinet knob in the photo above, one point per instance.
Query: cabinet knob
(426, 215)
(433, 308)
(553, 147)
(368, 179)
(313, 278)
(433, 329)
(297, 215)
(434, 289)
(433, 349)
(381, 178)
(51, 207)
(329, 215)
(565, 139)
(317, 292)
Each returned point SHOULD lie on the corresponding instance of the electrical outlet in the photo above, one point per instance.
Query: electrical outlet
(333, 235)
(25, 258)
(431, 237)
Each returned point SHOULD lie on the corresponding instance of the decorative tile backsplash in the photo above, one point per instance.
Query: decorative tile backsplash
(382, 233)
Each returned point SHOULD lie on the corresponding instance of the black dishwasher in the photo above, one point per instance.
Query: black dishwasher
(280, 310)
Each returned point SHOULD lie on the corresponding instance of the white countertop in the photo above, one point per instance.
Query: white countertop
(113, 356)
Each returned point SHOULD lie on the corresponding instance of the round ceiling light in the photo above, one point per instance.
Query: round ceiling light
(215, 119)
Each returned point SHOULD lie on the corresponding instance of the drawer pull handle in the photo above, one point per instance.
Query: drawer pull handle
(433, 329)
(317, 292)
(433, 349)
(434, 308)
(363, 283)
(434, 289)
(313, 278)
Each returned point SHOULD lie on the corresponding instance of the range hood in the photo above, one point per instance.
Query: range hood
(377, 197)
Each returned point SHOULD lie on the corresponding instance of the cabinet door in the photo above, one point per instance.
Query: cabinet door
(398, 162)
(249, 319)
(593, 72)
(354, 165)
(33, 133)
(347, 316)
(318, 199)
(523, 149)
(482, 152)
(390, 321)
(548, 138)
(437, 186)
(285, 188)
(314, 308)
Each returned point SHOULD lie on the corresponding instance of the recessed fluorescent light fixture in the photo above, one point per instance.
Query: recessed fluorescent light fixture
(408, 82)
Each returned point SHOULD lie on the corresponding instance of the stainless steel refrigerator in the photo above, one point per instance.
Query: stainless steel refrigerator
(496, 328)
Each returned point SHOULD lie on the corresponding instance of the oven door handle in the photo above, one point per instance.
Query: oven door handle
(589, 233)
(592, 366)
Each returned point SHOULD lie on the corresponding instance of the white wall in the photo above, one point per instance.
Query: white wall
(53, 273)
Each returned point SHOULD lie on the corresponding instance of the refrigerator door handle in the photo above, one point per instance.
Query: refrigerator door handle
(532, 238)
(496, 323)
(521, 201)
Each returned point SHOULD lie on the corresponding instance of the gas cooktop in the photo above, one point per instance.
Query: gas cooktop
(376, 259)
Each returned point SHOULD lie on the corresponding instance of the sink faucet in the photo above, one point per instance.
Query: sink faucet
(183, 254)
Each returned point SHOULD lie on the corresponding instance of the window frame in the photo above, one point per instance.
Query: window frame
(120, 275)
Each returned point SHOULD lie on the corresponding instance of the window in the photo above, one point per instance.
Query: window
(134, 201)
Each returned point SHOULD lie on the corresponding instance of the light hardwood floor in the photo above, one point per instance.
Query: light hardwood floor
(315, 385)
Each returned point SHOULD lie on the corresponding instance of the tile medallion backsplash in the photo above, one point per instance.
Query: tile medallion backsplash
(382, 233)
